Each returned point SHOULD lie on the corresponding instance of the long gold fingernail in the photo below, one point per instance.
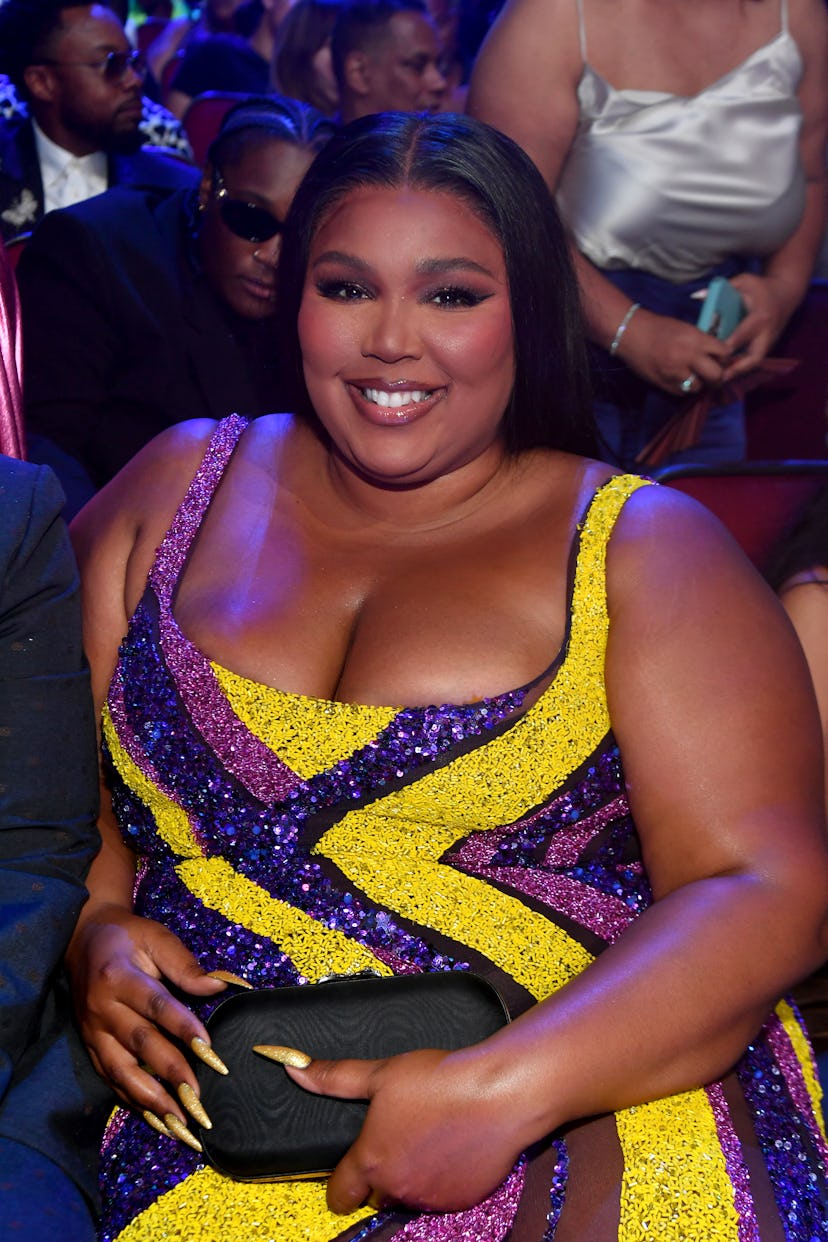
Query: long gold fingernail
(226, 976)
(156, 1123)
(208, 1055)
(285, 1056)
(180, 1131)
(194, 1105)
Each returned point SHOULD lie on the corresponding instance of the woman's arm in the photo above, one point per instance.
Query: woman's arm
(772, 297)
(805, 600)
(118, 961)
(713, 711)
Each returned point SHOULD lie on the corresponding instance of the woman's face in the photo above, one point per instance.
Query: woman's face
(406, 334)
(240, 270)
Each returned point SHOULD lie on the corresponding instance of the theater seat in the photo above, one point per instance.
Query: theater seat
(786, 416)
(204, 117)
(759, 502)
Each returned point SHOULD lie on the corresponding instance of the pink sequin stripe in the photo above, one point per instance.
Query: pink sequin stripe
(787, 1060)
(114, 1126)
(244, 755)
(598, 912)
(476, 1223)
(175, 546)
(566, 846)
(734, 1162)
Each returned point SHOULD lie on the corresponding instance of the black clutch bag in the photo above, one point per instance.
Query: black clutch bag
(265, 1127)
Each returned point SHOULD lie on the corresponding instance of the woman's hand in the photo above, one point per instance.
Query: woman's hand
(126, 1014)
(667, 352)
(768, 310)
(439, 1135)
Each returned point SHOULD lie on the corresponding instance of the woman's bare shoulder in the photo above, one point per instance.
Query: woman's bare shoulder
(144, 495)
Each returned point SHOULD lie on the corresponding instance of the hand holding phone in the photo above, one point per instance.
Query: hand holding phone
(722, 309)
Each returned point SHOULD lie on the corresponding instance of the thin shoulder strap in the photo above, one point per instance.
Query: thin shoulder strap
(784, 15)
(582, 29)
(589, 616)
(175, 547)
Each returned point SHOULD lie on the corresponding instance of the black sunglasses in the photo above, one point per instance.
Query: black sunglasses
(113, 67)
(246, 220)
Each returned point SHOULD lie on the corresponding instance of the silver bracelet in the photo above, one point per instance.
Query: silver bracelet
(622, 328)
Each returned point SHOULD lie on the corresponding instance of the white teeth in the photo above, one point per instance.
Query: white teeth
(394, 400)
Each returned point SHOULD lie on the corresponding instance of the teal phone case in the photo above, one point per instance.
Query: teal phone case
(722, 310)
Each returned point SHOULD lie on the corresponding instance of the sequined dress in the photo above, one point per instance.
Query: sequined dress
(284, 837)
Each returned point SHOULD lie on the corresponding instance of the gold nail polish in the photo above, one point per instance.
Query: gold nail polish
(194, 1106)
(208, 1055)
(226, 976)
(180, 1131)
(285, 1056)
(156, 1123)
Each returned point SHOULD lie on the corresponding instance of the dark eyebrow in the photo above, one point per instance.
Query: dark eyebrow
(426, 267)
(340, 256)
(435, 267)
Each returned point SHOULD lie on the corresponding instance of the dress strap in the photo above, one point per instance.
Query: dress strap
(784, 15)
(582, 29)
(176, 544)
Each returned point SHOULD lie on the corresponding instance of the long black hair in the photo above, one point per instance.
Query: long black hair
(550, 404)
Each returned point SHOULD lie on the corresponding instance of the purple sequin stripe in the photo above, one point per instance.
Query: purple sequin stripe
(557, 1191)
(736, 1168)
(137, 1170)
(492, 1219)
(787, 1144)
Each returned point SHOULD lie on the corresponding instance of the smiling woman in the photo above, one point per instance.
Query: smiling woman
(410, 683)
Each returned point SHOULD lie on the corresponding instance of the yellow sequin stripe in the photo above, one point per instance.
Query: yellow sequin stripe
(314, 949)
(309, 735)
(675, 1175)
(206, 1207)
(799, 1043)
(391, 849)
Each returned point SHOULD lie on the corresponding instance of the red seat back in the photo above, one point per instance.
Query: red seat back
(203, 119)
(758, 502)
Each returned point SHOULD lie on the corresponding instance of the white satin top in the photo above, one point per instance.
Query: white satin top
(674, 184)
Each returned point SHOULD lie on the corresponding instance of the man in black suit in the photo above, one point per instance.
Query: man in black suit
(52, 1108)
(140, 311)
(73, 66)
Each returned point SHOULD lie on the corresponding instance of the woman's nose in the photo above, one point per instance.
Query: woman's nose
(391, 333)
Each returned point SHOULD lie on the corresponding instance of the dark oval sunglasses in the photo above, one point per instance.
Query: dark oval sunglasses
(246, 220)
(113, 67)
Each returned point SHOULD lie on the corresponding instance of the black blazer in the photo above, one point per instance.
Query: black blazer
(21, 185)
(123, 335)
(50, 1097)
